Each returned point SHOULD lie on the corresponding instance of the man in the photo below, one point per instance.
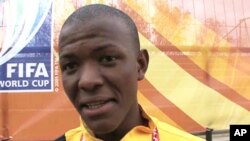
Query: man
(101, 63)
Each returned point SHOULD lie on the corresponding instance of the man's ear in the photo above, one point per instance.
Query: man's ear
(142, 60)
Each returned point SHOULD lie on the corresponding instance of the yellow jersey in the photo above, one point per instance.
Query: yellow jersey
(163, 131)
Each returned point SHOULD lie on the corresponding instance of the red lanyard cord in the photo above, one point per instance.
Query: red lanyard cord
(155, 135)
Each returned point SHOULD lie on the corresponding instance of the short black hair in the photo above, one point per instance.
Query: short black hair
(96, 10)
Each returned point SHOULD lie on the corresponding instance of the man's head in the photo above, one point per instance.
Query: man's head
(101, 62)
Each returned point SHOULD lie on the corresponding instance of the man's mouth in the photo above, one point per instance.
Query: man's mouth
(96, 108)
(95, 105)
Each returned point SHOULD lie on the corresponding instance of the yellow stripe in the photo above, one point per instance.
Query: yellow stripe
(227, 73)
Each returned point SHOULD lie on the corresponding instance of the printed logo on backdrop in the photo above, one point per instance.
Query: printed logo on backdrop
(26, 58)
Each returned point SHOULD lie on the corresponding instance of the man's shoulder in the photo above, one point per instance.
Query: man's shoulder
(71, 134)
(167, 131)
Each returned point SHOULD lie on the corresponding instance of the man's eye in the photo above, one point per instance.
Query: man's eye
(107, 59)
(69, 67)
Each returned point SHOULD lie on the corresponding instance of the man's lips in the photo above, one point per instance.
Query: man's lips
(95, 104)
(97, 108)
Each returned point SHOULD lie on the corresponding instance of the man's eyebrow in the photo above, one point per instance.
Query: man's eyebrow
(97, 49)
(66, 56)
(104, 47)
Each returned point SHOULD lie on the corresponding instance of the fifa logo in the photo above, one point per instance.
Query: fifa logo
(19, 24)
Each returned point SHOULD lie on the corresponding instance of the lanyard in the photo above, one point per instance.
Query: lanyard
(155, 136)
(82, 138)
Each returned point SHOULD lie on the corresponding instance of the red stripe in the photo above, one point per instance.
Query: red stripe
(189, 66)
(167, 107)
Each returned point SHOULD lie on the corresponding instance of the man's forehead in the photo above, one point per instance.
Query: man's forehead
(101, 25)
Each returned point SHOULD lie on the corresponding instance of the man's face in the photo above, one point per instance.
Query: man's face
(100, 72)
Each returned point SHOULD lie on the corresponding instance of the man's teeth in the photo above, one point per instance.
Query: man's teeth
(95, 105)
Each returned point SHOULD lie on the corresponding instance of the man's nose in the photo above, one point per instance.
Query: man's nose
(90, 78)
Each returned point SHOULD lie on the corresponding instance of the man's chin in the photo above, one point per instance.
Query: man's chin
(102, 128)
